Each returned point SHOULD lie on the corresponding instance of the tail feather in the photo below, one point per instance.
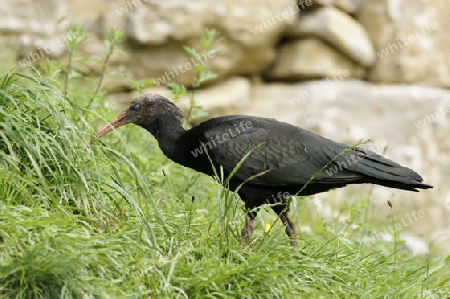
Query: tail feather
(388, 173)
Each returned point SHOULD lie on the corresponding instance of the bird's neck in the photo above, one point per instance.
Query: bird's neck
(167, 130)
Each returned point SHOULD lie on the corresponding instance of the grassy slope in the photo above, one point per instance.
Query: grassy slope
(111, 223)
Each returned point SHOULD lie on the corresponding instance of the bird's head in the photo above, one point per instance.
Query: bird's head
(147, 111)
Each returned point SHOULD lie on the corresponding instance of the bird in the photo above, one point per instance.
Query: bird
(277, 159)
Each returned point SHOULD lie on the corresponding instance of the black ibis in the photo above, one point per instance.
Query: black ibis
(282, 159)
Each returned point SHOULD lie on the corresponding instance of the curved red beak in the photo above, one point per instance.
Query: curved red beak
(118, 121)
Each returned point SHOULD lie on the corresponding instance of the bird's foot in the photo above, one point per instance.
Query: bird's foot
(293, 242)
(248, 229)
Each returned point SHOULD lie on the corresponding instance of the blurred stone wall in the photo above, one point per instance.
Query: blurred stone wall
(383, 41)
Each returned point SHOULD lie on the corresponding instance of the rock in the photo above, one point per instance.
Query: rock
(32, 19)
(411, 40)
(38, 26)
(415, 245)
(156, 22)
(249, 33)
(116, 84)
(312, 58)
(339, 29)
(227, 97)
(157, 30)
(13, 20)
(349, 6)
(41, 26)
(166, 63)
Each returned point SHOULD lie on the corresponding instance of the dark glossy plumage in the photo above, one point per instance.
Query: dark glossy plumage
(283, 157)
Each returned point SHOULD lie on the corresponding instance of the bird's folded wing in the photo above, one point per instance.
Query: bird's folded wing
(287, 154)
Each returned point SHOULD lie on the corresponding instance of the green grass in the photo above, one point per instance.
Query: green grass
(122, 221)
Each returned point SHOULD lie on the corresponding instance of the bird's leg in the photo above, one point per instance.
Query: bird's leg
(248, 229)
(290, 228)
(282, 211)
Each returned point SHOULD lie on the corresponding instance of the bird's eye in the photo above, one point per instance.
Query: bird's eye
(137, 107)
